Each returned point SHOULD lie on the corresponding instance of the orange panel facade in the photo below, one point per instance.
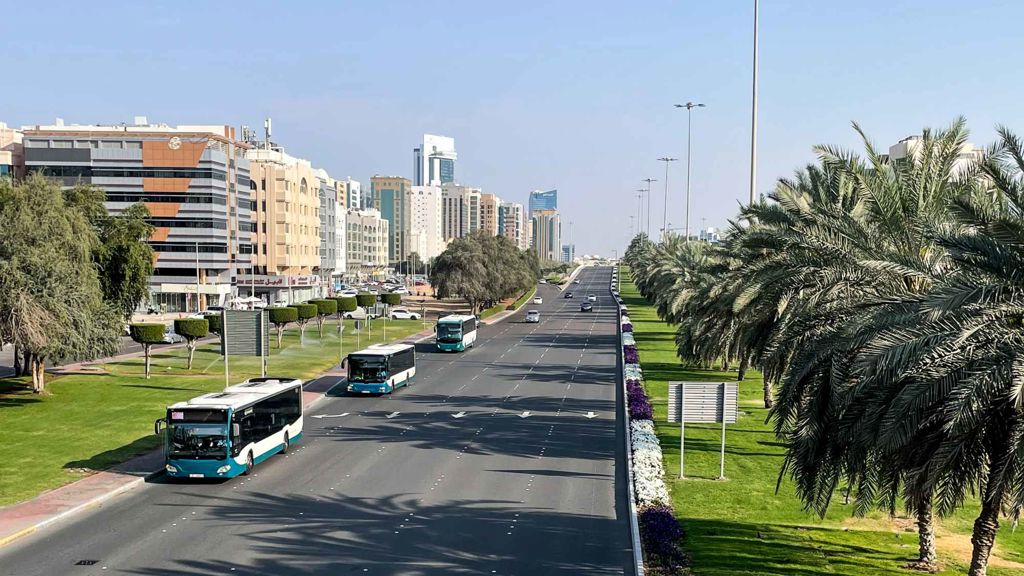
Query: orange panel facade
(158, 153)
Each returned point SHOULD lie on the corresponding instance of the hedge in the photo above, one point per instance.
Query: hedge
(147, 333)
(192, 328)
(366, 300)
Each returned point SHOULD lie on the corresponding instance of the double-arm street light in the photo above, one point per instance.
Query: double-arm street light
(664, 214)
(689, 110)
(648, 190)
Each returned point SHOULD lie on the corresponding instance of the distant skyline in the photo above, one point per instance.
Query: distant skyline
(570, 95)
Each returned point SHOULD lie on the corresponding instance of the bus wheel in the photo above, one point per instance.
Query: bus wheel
(284, 449)
(249, 465)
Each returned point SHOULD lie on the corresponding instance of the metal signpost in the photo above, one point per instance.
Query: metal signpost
(250, 336)
(702, 402)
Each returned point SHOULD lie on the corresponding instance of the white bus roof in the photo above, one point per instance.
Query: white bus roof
(240, 395)
(455, 318)
(383, 349)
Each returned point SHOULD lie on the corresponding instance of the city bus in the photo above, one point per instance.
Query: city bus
(455, 333)
(381, 368)
(224, 434)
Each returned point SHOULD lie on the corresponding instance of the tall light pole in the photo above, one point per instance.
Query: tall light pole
(648, 190)
(689, 112)
(664, 214)
(753, 117)
(631, 227)
(640, 210)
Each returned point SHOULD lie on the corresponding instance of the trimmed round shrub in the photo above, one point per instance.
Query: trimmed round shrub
(147, 333)
(283, 314)
(325, 307)
(215, 323)
(305, 311)
(391, 299)
(192, 327)
(366, 300)
(347, 304)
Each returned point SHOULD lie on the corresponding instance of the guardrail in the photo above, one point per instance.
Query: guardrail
(634, 524)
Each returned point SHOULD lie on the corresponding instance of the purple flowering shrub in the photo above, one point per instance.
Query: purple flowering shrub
(630, 355)
(627, 327)
(661, 535)
(640, 407)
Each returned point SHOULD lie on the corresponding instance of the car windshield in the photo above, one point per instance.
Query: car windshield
(367, 370)
(449, 332)
(197, 441)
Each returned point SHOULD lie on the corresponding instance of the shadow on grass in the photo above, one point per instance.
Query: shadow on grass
(723, 547)
(152, 387)
(109, 458)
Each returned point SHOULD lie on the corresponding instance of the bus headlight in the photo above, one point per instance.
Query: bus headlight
(223, 469)
(170, 469)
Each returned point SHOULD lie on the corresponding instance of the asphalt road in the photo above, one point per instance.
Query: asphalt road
(488, 464)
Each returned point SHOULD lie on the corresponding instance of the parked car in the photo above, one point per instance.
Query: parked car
(576, 281)
(359, 313)
(421, 283)
(586, 307)
(543, 281)
(172, 337)
(404, 314)
(538, 300)
(592, 297)
(533, 316)
(568, 295)
(400, 290)
(348, 292)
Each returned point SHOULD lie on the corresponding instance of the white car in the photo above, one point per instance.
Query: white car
(172, 337)
(400, 290)
(538, 300)
(575, 281)
(592, 297)
(348, 292)
(533, 316)
(359, 314)
(404, 314)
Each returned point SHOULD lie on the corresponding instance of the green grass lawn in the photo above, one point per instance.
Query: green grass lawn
(740, 525)
(90, 422)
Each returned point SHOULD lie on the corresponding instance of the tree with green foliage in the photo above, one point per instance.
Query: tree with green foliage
(147, 334)
(482, 270)
(51, 300)
(191, 329)
(215, 323)
(306, 312)
(123, 255)
(281, 317)
(324, 308)
(366, 300)
(391, 299)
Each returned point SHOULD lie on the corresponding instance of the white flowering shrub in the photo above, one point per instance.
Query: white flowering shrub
(628, 339)
(647, 465)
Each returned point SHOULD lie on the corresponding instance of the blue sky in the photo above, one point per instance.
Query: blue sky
(569, 94)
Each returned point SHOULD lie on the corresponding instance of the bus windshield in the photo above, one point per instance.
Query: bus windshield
(449, 332)
(198, 441)
(367, 370)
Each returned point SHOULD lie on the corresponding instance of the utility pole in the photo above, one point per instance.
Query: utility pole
(753, 117)
(689, 109)
(648, 190)
(664, 215)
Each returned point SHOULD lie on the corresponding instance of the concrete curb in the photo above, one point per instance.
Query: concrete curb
(634, 523)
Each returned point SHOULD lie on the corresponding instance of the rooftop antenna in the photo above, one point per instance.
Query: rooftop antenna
(267, 125)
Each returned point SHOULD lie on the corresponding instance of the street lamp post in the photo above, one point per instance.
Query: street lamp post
(664, 212)
(648, 190)
(689, 110)
(753, 117)
(639, 210)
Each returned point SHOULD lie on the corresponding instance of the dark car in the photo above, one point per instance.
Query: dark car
(586, 307)
(568, 294)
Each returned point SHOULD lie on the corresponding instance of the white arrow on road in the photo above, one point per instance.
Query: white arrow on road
(590, 415)
(330, 415)
(392, 415)
(458, 415)
(525, 414)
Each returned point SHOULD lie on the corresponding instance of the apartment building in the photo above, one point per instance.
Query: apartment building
(460, 210)
(195, 181)
(366, 245)
(489, 206)
(390, 197)
(425, 232)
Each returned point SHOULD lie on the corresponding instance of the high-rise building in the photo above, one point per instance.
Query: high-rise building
(389, 197)
(489, 204)
(511, 224)
(547, 234)
(460, 210)
(351, 191)
(433, 161)
(193, 179)
(543, 200)
(426, 229)
(366, 245)
(12, 153)
(332, 231)
(288, 202)
(568, 252)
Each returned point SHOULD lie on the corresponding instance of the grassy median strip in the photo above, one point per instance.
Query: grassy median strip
(741, 525)
(91, 422)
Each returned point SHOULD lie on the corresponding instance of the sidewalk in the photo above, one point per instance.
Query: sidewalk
(27, 517)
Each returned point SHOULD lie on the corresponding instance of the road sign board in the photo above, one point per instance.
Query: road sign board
(704, 401)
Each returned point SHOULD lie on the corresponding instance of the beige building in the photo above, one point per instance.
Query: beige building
(547, 234)
(389, 196)
(512, 224)
(460, 210)
(12, 153)
(287, 219)
(424, 225)
(489, 206)
(366, 245)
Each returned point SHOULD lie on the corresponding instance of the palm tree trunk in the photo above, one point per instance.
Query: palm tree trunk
(769, 394)
(742, 372)
(985, 527)
(926, 556)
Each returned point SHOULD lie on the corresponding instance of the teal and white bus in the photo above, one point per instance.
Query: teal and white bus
(455, 333)
(224, 434)
(380, 369)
